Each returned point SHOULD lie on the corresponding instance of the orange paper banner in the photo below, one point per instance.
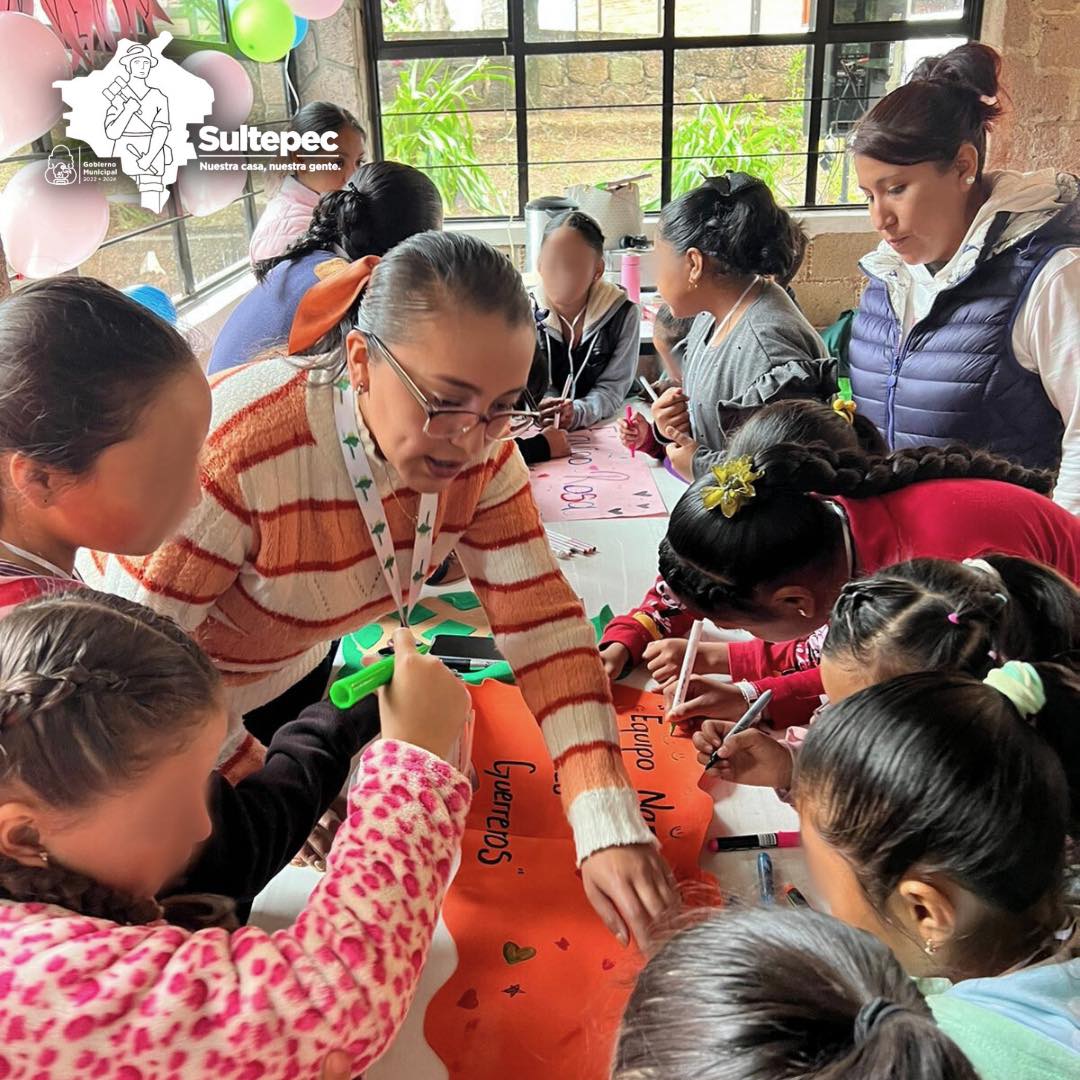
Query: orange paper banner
(541, 984)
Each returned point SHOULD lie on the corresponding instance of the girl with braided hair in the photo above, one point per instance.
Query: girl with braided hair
(383, 203)
(922, 615)
(935, 811)
(110, 723)
(766, 542)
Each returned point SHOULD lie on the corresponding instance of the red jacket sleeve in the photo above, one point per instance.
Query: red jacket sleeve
(796, 696)
(659, 615)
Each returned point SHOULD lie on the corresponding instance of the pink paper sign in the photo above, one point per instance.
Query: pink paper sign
(598, 480)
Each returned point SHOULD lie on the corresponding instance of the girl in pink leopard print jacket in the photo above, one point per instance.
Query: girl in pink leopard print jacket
(110, 723)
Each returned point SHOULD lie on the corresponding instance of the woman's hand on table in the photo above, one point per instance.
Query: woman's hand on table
(630, 887)
(664, 658)
(671, 412)
(615, 657)
(634, 433)
(752, 757)
(558, 441)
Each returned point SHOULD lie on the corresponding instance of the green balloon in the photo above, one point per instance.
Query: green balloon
(263, 29)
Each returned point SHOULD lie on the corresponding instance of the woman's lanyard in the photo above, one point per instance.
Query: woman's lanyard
(37, 560)
(371, 506)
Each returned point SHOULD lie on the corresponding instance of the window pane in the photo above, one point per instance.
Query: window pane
(196, 20)
(860, 11)
(217, 242)
(588, 20)
(744, 110)
(593, 117)
(455, 120)
(857, 75)
(700, 18)
(405, 20)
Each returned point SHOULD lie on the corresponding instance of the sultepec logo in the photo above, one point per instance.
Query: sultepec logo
(137, 109)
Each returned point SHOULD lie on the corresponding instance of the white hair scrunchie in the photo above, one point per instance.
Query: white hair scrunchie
(1021, 684)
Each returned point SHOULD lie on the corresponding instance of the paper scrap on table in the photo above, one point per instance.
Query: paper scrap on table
(449, 626)
(461, 601)
(599, 480)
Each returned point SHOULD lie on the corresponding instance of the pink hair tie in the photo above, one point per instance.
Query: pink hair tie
(954, 618)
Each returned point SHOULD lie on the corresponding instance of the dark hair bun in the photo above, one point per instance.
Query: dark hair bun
(974, 68)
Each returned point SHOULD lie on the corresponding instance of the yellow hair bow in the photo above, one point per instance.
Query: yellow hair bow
(845, 408)
(734, 486)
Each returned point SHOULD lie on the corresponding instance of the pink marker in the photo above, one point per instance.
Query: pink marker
(630, 420)
(755, 840)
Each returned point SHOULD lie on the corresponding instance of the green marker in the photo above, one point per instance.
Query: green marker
(844, 386)
(345, 693)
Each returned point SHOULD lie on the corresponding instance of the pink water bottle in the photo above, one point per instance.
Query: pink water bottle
(630, 275)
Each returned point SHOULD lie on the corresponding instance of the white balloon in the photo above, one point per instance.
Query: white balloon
(31, 60)
(233, 92)
(205, 192)
(48, 228)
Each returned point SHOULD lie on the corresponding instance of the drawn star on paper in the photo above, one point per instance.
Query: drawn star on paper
(513, 990)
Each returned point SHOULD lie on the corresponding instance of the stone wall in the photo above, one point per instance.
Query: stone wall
(1042, 76)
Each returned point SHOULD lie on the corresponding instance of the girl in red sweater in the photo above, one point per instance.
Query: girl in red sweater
(766, 543)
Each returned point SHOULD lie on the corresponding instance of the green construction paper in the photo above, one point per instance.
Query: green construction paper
(367, 636)
(450, 626)
(420, 614)
(499, 670)
(461, 601)
(600, 621)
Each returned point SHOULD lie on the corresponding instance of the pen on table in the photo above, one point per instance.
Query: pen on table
(749, 717)
(765, 878)
(653, 395)
(754, 840)
(692, 643)
(795, 898)
(630, 420)
(466, 664)
(562, 397)
(345, 693)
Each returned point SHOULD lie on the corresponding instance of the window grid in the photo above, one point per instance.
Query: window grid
(824, 32)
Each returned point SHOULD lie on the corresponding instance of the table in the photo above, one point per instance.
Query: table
(619, 574)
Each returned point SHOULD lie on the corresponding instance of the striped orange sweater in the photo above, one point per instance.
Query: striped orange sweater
(276, 561)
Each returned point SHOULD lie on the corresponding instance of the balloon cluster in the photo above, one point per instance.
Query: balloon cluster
(48, 227)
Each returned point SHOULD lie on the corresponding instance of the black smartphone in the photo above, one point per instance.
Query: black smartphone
(479, 649)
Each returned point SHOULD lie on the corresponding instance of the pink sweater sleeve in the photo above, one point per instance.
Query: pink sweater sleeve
(85, 997)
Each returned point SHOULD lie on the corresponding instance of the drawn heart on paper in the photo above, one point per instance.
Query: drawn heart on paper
(517, 954)
(607, 965)
(563, 944)
(616, 510)
(542, 475)
(468, 1000)
(642, 494)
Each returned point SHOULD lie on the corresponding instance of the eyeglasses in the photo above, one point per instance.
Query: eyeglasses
(499, 426)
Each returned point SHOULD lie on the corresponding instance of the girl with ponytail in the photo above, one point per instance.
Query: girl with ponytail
(720, 250)
(970, 322)
(935, 811)
(767, 541)
(383, 203)
(755, 994)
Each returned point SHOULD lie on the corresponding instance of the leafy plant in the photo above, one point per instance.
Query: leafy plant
(429, 127)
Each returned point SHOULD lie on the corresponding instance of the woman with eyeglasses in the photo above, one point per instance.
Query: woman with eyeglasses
(333, 483)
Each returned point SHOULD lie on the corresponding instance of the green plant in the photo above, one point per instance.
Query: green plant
(428, 126)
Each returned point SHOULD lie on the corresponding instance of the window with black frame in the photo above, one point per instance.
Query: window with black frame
(183, 255)
(501, 101)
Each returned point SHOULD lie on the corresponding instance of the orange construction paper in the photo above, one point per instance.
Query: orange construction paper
(541, 984)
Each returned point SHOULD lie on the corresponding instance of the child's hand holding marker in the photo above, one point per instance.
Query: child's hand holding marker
(557, 412)
(671, 412)
(680, 452)
(425, 703)
(705, 696)
(750, 757)
(633, 430)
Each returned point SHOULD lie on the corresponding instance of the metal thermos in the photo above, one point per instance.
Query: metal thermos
(538, 212)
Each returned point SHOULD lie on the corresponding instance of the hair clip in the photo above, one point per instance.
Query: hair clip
(1021, 684)
(845, 408)
(734, 486)
(954, 617)
(327, 302)
(988, 99)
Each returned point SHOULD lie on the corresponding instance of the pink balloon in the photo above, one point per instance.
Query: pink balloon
(233, 94)
(315, 9)
(203, 192)
(31, 60)
(47, 228)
